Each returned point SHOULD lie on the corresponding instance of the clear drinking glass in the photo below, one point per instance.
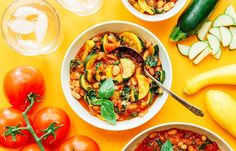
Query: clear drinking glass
(82, 7)
(31, 27)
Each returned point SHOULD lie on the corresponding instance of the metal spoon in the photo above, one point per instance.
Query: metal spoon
(128, 51)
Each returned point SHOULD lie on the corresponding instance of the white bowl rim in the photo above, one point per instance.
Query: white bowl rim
(64, 67)
(174, 124)
(157, 17)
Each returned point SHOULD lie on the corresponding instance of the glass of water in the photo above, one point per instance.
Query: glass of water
(82, 7)
(31, 27)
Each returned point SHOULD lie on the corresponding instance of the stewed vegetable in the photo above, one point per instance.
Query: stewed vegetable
(152, 7)
(113, 87)
(176, 140)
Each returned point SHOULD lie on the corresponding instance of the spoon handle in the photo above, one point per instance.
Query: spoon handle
(189, 106)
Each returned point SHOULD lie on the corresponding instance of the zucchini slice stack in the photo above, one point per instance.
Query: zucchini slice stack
(212, 35)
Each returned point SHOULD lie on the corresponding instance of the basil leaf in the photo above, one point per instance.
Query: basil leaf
(167, 146)
(107, 89)
(107, 111)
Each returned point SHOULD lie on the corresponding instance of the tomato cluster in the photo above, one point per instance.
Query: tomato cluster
(23, 87)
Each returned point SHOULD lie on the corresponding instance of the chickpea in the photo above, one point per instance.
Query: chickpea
(160, 91)
(143, 104)
(96, 85)
(76, 95)
(132, 107)
(133, 81)
(95, 39)
(166, 7)
(151, 71)
(172, 132)
(160, 4)
(115, 70)
(103, 77)
(203, 138)
(180, 144)
(153, 135)
(100, 55)
(190, 148)
(184, 147)
(74, 76)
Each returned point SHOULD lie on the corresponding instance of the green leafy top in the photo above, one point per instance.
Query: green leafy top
(107, 89)
(167, 146)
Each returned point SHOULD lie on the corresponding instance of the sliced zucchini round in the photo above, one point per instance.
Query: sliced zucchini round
(183, 49)
(223, 20)
(232, 45)
(83, 83)
(132, 41)
(204, 30)
(128, 68)
(87, 49)
(90, 60)
(89, 75)
(197, 48)
(143, 86)
(226, 36)
(214, 43)
(216, 32)
(231, 12)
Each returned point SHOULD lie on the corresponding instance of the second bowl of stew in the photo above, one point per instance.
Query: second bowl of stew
(111, 91)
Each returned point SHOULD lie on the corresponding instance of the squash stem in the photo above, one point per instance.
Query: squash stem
(177, 34)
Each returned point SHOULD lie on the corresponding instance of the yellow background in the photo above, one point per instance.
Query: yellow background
(183, 69)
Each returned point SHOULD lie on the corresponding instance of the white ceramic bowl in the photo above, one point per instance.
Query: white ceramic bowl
(223, 145)
(158, 17)
(114, 26)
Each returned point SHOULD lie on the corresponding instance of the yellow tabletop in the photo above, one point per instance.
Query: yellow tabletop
(183, 69)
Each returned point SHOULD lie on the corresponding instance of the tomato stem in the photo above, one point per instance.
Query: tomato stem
(32, 98)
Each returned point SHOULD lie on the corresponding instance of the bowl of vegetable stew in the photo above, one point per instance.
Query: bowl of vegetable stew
(108, 90)
(177, 136)
(154, 10)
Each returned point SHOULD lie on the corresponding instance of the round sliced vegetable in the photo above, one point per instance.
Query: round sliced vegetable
(54, 121)
(223, 20)
(79, 143)
(143, 86)
(20, 82)
(226, 36)
(184, 50)
(197, 48)
(216, 32)
(132, 41)
(231, 12)
(204, 30)
(11, 117)
(202, 55)
(232, 45)
(214, 43)
(128, 68)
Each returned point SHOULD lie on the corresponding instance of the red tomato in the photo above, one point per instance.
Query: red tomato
(79, 143)
(32, 147)
(45, 117)
(21, 81)
(13, 117)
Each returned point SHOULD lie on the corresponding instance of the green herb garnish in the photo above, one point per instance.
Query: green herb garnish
(167, 146)
(150, 61)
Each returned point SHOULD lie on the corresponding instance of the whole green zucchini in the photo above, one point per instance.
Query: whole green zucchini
(192, 19)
